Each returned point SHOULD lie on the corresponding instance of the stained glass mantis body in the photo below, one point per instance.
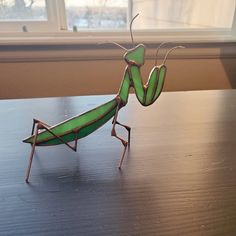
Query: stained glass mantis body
(80, 126)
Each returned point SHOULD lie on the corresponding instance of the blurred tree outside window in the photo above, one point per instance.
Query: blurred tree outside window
(19, 10)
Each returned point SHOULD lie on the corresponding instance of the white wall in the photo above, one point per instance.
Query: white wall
(63, 71)
(184, 13)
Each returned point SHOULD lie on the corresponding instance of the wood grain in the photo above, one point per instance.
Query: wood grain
(179, 177)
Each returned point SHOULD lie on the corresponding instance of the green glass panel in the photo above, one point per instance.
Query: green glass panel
(137, 82)
(124, 89)
(76, 122)
(83, 132)
(151, 86)
(136, 55)
(161, 81)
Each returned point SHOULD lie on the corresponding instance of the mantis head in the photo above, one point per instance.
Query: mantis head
(135, 56)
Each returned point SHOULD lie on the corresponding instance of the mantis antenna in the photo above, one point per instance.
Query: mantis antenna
(130, 28)
(117, 44)
(164, 61)
(131, 34)
(157, 51)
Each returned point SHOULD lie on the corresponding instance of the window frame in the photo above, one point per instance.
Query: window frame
(54, 30)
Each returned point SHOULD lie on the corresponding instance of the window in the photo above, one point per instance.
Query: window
(193, 17)
(28, 16)
(97, 14)
(23, 10)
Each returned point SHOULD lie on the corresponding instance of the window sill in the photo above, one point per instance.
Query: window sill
(69, 46)
(94, 37)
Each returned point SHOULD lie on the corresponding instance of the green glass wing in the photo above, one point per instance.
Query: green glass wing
(86, 123)
(152, 85)
(161, 81)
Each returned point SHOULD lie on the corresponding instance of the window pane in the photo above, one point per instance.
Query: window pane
(97, 14)
(183, 14)
(23, 10)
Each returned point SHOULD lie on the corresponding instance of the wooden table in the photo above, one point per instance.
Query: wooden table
(179, 177)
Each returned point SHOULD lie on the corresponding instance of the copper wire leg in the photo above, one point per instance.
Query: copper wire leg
(127, 128)
(123, 156)
(74, 148)
(31, 154)
(113, 133)
(35, 121)
(125, 143)
(41, 125)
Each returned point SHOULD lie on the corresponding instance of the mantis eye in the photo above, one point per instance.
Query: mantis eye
(136, 55)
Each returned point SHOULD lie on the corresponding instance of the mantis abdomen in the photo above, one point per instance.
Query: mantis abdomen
(77, 127)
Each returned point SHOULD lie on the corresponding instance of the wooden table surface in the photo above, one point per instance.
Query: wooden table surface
(179, 177)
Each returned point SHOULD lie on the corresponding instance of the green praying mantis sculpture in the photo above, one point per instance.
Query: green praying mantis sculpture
(80, 126)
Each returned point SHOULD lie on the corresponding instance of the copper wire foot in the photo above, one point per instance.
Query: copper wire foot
(123, 156)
